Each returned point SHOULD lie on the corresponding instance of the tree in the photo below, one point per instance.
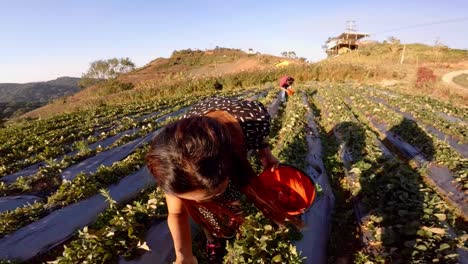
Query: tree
(105, 69)
(292, 55)
(393, 40)
(289, 54)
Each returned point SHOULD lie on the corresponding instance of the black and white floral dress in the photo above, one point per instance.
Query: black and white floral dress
(255, 121)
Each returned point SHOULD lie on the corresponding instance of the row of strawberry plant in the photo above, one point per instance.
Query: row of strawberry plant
(40, 149)
(405, 219)
(100, 117)
(342, 242)
(22, 146)
(49, 173)
(422, 112)
(434, 105)
(81, 187)
(270, 96)
(118, 231)
(35, 148)
(432, 148)
(258, 240)
(50, 149)
(344, 142)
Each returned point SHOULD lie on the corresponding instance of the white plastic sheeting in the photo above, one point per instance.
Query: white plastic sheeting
(452, 118)
(159, 241)
(317, 219)
(10, 178)
(110, 140)
(258, 96)
(13, 202)
(441, 177)
(273, 108)
(55, 228)
(33, 169)
(108, 157)
(450, 139)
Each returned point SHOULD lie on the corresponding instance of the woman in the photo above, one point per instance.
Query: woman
(285, 84)
(200, 162)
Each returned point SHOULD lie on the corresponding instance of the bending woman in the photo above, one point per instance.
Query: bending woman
(200, 162)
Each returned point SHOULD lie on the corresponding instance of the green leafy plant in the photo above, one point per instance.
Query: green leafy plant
(258, 241)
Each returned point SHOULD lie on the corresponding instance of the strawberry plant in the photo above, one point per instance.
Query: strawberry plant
(258, 241)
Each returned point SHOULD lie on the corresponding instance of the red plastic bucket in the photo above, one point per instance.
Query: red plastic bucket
(292, 188)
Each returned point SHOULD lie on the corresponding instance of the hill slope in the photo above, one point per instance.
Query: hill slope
(38, 91)
(18, 98)
(179, 70)
(405, 64)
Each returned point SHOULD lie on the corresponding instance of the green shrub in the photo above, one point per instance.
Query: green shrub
(113, 86)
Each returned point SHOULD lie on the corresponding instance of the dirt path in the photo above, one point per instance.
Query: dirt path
(448, 77)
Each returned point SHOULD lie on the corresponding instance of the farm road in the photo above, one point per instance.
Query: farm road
(448, 77)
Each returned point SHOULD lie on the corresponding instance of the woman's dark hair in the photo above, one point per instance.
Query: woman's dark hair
(191, 154)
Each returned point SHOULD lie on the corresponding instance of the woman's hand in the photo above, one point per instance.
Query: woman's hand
(267, 159)
(192, 260)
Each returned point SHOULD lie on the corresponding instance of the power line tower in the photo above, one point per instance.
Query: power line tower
(350, 26)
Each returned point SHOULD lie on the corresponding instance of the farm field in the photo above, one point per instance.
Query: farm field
(390, 169)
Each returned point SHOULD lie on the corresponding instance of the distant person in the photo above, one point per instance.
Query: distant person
(286, 83)
(200, 162)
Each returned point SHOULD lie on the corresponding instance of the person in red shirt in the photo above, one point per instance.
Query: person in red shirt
(286, 83)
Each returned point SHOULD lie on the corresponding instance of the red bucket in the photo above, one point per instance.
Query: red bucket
(292, 188)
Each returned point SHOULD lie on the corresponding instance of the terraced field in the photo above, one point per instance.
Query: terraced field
(391, 171)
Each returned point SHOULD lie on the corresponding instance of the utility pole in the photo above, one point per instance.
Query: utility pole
(351, 26)
(403, 54)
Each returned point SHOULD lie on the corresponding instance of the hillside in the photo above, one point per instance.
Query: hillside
(402, 62)
(20, 98)
(376, 53)
(194, 71)
(404, 59)
(161, 76)
(38, 91)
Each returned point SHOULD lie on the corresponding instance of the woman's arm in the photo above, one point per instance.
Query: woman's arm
(288, 90)
(282, 88)
(266, 157)
(179, 225)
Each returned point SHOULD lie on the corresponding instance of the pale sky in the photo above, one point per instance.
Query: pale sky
(46, 39)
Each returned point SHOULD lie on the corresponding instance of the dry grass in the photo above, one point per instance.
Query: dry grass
(438, 90)
(386, 59)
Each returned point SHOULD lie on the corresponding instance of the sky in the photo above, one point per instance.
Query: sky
(45, 39)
